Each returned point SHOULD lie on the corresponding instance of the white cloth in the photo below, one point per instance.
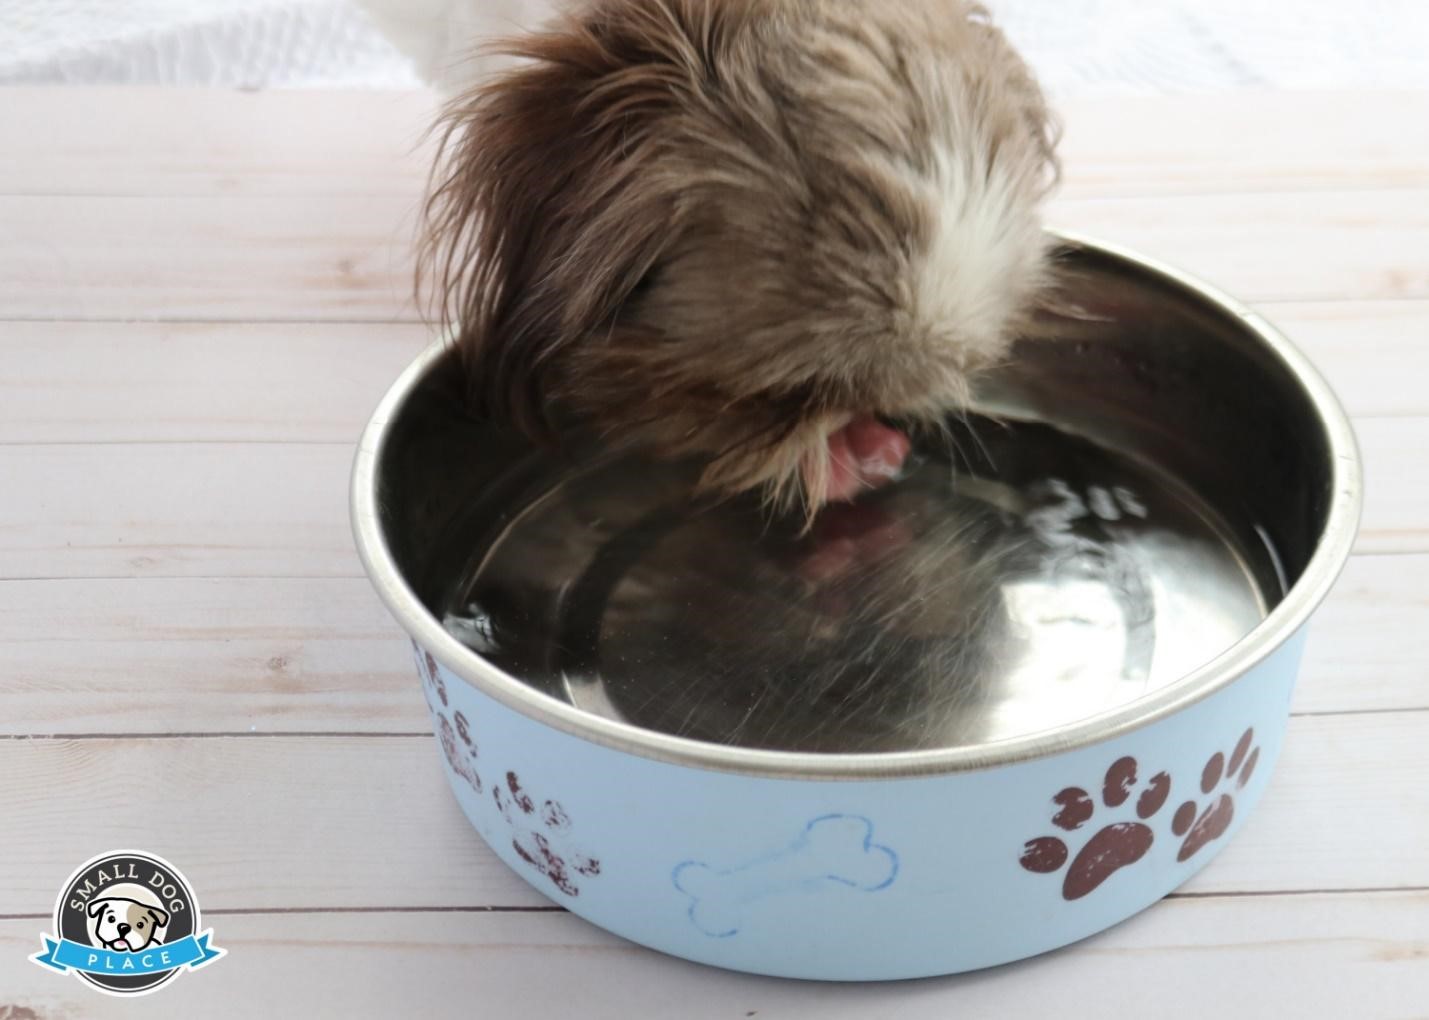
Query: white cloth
(1077, 46)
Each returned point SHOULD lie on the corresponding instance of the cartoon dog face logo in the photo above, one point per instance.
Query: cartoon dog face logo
(125, 925)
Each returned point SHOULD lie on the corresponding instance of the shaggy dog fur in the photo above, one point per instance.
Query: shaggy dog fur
(757, 232)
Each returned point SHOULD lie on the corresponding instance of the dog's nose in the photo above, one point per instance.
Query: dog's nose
(124, 929)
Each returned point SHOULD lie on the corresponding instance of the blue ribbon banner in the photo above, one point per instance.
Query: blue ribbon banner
(65, 956)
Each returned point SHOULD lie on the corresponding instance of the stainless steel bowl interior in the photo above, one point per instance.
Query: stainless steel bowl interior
(1142, 379)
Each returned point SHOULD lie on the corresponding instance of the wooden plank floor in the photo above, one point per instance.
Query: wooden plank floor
(202, 295)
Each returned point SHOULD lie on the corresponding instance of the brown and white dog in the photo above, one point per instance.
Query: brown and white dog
(125, 925)
(759, 232)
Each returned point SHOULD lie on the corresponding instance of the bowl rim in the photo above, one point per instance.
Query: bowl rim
(1276, 630)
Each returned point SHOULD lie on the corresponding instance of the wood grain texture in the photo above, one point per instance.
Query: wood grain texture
(176, 509)
(1277, 246)
(1242, 142)
(1362, 955)
(1368, 643)
(1396, 515)
(204, 293)
(306, 655)
(181, 141)
(1374, 353)
(261, 822)
(289, 822)
(197, 655)
(139, 140)
(280, 510)
(311, 258)
(198, 382)
(318, 382)
(327, 258)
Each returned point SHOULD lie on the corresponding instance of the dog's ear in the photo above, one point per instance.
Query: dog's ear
(1023, 93)
(161, 919)
(550, 201)
(97, 906)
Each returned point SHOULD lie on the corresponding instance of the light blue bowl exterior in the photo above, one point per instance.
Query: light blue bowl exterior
(864, 879)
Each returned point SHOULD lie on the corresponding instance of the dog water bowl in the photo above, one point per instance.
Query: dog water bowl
(998, 706)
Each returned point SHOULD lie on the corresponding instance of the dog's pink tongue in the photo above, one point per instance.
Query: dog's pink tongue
(864, 454)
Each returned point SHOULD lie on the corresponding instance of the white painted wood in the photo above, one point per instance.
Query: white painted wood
(207, 258)
(188, 141)
(319, 258)
(145, 381)
(139, 140)
(176, 509)
(1242, 142)
(1278, 246)
(1368, 644)
(196, 655)
(1396, 517)
(164, 471)
(1347, 809)
(257, 822)
(230, 655)
(1362, 955)
(267, 822)
(318, 382)
(280, 510)
(1374, 353)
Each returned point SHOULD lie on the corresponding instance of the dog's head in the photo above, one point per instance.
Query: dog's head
(126, 925)
(731, 228)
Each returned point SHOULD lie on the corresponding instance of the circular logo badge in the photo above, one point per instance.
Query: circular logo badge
(126, 922)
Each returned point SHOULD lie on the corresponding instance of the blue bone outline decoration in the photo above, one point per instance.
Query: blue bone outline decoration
(833, 848)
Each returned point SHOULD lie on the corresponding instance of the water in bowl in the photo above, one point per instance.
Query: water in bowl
(1034, 582)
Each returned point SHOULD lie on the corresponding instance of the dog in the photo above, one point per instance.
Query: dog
(777, 236)
(127, 925)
